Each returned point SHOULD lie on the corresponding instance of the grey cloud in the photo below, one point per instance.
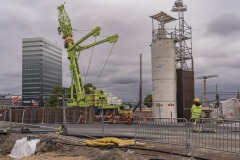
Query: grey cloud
(224, 25)
(216, 46)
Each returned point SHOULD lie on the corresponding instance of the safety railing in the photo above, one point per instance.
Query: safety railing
(222, 135)
(164, 130)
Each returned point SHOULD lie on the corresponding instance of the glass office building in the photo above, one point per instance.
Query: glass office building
(41, 70)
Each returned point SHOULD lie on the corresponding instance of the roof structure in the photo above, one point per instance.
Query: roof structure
(163, 17)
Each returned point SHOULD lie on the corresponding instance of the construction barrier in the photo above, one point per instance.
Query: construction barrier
(4, 114)
(221, 135)
(162, 130)
(41, 115)
(215, 134)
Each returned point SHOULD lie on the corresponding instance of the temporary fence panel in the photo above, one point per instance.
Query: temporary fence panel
(162, 130)
(4, 114)
(73, 114)
(52, 115)
(5, 102)
(223, 135)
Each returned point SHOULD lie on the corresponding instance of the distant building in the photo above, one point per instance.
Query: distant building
(41, 69)
(113, 100)
(6, 100)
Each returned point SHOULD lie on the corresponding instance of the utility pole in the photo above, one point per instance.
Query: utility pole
(238, 96)
(205, 85)
(140, 88)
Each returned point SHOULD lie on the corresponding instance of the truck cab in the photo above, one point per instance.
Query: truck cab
(108, 109)
(124, 109)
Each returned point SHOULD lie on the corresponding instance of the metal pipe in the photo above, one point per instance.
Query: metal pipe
(140, 88)
(102, 119)
(10, 109)
(64, 109)
(23, 115)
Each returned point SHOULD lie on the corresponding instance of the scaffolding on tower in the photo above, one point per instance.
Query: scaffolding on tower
(183, 33)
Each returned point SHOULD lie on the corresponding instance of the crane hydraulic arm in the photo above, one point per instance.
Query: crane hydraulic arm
(65, 28)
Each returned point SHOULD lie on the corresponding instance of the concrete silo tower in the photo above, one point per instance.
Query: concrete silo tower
(164, 78)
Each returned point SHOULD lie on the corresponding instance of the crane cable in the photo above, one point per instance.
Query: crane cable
(105, 63)
(82, 65)
(79, 55)
(90, 60)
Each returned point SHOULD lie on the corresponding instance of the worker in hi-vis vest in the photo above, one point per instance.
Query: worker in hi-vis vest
(196, 111)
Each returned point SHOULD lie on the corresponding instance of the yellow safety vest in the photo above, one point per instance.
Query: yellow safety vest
(196, 111)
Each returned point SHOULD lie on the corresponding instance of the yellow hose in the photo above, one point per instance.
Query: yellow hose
(109, 141)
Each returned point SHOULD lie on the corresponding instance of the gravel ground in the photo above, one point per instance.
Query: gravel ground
(59, 150)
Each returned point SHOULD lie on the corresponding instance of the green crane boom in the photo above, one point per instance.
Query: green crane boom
(78, 96)
(64, 21)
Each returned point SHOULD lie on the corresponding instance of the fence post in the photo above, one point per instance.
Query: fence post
(85, 114)
(188, 144)
(10, 109)
(103, 129)
(64, 109)
(135, 136)
(23, 115)
(43, 114)
(5, 115)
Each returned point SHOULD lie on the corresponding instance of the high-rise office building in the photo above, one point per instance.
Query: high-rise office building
(41, 69)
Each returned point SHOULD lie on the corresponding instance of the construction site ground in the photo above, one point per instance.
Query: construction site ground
(59, 147)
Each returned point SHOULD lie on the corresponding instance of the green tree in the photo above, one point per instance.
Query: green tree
(148, 100)
(56, 98)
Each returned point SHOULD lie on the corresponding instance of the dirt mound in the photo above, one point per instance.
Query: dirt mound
(3, 138)
(95, 153)
(46, 147)
(8, 142)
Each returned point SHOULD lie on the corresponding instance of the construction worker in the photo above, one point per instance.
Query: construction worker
(196, 112)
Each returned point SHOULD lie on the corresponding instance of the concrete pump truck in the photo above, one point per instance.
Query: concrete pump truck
(77, 93)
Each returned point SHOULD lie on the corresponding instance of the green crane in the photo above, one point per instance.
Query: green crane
(77, 93)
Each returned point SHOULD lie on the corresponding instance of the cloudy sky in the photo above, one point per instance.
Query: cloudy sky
(216, 41)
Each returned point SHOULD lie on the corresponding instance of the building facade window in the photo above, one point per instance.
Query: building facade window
(41, 69)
